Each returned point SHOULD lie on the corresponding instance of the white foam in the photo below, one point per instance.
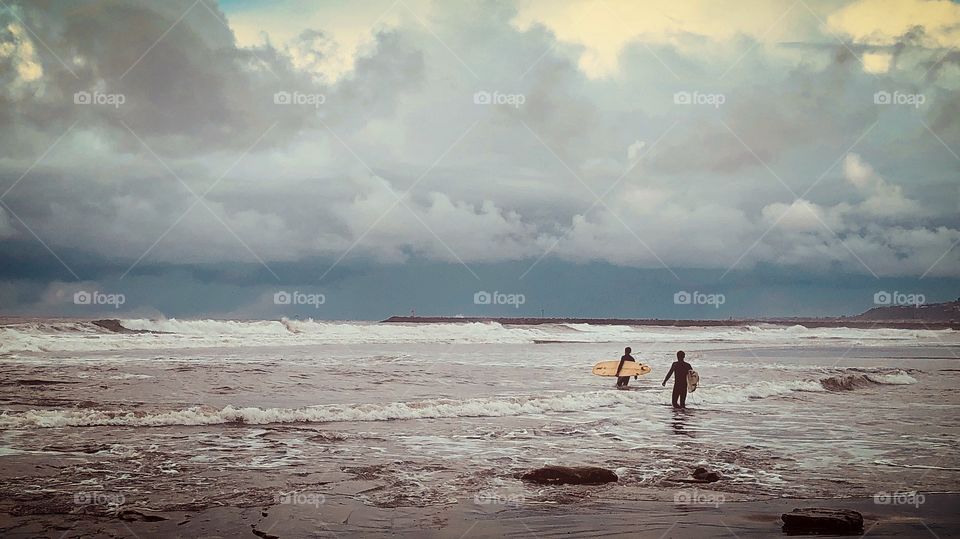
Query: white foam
(129, 376)
(898, 378)
(757, 390)
(427, 409)
(84, 336)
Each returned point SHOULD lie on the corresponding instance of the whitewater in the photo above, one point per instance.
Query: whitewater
(79, 336)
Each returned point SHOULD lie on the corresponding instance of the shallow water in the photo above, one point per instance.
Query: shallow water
(423, 416)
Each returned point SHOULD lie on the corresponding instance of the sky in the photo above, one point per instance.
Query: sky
(354, 160)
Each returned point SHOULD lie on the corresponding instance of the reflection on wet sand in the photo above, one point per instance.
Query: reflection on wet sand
(680, 422)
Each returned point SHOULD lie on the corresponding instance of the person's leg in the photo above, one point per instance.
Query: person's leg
(676, 394)
(683, 397)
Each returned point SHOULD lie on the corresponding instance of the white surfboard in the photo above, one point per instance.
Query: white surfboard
(693, 380)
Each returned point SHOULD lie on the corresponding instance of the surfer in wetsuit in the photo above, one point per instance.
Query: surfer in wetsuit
(622, 381)
(679, 370)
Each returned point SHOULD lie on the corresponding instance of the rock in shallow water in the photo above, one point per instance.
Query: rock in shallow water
(822, 520)
(567, 475)
(706, 475)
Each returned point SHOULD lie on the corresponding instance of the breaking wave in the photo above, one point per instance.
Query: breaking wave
(71, 336)
(426, 409)
(860, 380)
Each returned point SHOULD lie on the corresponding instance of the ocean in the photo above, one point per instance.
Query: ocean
(204, 413)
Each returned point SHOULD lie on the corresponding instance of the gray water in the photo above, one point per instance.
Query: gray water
(428, 423)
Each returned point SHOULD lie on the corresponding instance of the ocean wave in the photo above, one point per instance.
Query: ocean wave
(917, 466)
(859, 380)
(426, 409)
(79, 336)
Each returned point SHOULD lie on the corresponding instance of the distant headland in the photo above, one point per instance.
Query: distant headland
(932, 316)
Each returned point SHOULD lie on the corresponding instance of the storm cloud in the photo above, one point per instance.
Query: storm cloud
(183, 133)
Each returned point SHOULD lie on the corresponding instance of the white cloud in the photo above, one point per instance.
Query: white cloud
(884, 22)
(701, 198)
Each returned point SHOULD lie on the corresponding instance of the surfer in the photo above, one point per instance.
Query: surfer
(679, 370)
(623, 381)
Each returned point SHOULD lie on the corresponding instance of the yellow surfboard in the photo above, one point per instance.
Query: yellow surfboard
(630, 368)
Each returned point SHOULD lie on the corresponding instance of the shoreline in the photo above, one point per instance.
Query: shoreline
(810, 323)
(340, 516)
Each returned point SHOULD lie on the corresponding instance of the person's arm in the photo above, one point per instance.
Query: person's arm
(669, 373)
(620, 366)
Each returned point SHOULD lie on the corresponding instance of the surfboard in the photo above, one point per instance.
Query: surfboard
(630, 368)
(693, 380)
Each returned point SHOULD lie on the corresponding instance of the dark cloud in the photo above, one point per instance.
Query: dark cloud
(296, 185)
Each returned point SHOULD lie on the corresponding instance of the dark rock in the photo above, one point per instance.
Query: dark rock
(261, 533)
(822, 520)
(566, 475)
(706, 475)
(133, 515)
(113, 325)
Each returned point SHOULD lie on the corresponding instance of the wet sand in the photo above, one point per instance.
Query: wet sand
(595, 515)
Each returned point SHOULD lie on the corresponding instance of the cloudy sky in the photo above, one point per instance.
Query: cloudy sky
(596, 156)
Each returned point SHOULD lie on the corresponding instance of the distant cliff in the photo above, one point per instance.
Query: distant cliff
(930, 316)
(934, 312)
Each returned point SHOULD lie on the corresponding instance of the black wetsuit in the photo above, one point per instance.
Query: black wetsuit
(622, 381)
(679, 370)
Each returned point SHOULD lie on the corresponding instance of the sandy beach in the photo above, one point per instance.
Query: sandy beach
(592, 517)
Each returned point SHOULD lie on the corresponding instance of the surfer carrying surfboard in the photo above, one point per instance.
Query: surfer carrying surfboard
(679, 370)
(623, 381)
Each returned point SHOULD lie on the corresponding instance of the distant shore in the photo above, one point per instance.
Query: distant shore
(805, 322)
